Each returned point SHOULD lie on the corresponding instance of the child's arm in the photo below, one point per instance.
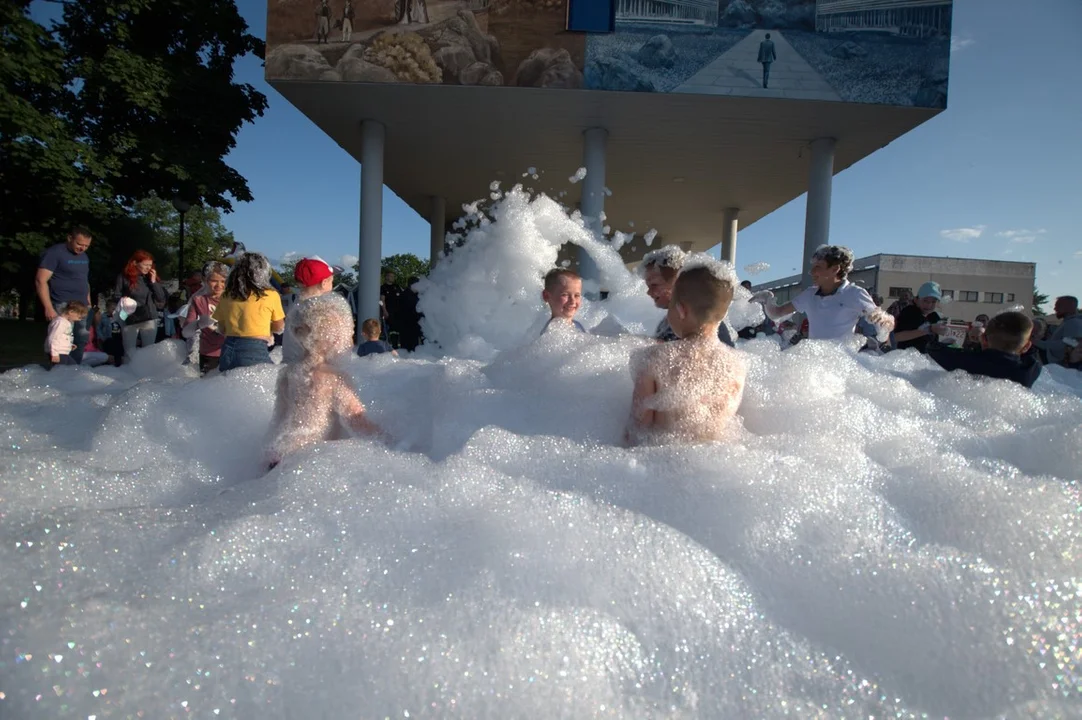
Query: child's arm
(645, 388)
(56, 341)
(350, 408)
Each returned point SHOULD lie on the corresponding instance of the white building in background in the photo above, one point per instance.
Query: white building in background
(970, 287)
(910, 18)
(684, 12)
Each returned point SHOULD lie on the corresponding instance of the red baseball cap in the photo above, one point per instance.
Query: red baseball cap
(312, 271)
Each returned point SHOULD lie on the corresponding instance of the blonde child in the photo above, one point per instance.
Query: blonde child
(314, 400)
(60, 338)
(563, 295)
(688, 390)
(372, 345)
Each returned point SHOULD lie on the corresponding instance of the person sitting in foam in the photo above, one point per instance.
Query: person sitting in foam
(658, 270)
(689, 389)
(832, 304)
(563, 295)
(314, 401)
(1004, 343)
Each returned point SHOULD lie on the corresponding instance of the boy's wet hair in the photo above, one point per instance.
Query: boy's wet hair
(1008, 332)
(836, 256)
(371, 327)
(76, 308)
(326, 319)
(706, 296)
(552, 277)
(251, 275)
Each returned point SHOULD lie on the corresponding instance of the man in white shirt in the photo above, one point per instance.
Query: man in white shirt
(832, 304)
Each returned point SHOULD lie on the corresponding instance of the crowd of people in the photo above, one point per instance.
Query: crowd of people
(687, 384)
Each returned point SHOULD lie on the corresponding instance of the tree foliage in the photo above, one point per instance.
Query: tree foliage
(1039, 301)
(110, 103)
(404, 266)
(205, 236)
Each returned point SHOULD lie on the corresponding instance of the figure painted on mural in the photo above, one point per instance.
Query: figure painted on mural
(767, 55)
(347, 21)
(411, 11)
(323, 24)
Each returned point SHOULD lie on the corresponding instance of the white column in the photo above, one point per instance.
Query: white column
(371, 249)
(729, 224)
(592, 202)
(817, 218)
(437, 220)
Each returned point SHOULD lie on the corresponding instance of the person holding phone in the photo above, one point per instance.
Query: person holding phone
(139, 281)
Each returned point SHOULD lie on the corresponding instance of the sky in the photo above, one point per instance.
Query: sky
(998, 175)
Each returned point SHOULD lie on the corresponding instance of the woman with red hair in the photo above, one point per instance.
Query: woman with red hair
(139, 283)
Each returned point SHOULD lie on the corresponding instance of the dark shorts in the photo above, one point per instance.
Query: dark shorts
(64, 360)
(208, 363)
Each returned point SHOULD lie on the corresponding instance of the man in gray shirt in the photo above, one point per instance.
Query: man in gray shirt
(64, 275)
(1066, 309)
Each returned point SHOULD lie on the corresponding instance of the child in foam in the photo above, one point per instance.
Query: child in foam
(199, 323)
(316, 278)
(919, 322)
(832, 304)
(563, 295)
(314, 400)
(659, 269)
(372, 345)
(249, 314)
(1005, 341)
(689, 389)
(60, 337)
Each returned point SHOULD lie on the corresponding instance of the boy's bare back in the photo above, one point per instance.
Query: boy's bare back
(313, 405)
(685, 391)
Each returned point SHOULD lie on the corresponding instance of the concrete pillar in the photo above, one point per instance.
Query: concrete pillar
(817, 218)
(592, 203)
(730, 223)
(371, 249)
(437, 220)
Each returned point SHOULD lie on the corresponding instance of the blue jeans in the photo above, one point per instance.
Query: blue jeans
(243, 352)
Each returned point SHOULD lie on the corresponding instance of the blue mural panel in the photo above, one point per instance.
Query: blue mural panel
(891, 52)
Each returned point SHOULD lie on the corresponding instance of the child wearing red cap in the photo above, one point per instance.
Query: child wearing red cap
(315, 278)
(315, 401)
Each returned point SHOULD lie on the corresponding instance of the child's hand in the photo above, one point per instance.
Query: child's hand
(762, 297)
(206, 321)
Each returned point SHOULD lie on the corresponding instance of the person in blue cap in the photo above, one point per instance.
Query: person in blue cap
(919, 322)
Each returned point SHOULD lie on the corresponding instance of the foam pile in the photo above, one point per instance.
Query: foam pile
(880, 539)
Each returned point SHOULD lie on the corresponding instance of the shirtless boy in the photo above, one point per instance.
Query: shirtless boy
(688, 390)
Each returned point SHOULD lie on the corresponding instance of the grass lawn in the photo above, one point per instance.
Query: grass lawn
(22, 342)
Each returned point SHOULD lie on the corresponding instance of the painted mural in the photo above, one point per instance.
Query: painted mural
(455, 42)
(892, 52)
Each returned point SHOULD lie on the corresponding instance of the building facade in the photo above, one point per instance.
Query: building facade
(970, 287)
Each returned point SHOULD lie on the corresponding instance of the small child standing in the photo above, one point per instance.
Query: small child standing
(1006, 339)
(563, 295)
(314, 400)
(372, 345)
(60, 338)
(688, 390)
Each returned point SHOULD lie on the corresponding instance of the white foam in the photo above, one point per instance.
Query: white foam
(881, 538)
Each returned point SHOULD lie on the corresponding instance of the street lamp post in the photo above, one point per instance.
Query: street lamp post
(181, 207)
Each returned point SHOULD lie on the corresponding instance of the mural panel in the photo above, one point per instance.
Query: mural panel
(456, 42)
(893, 52)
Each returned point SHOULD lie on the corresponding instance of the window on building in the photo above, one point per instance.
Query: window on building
(995, 298)
(591, 16)
(897, 292)
(969, 296)
(1010, 297)
(948, 294)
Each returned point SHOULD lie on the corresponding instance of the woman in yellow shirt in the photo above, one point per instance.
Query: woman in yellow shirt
(249, 314)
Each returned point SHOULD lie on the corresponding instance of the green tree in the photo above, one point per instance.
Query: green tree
(157, 92)
(205, 236)
(404, 266)
(1039, 301)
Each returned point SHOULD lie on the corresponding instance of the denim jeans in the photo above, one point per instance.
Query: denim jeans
(243, 352)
